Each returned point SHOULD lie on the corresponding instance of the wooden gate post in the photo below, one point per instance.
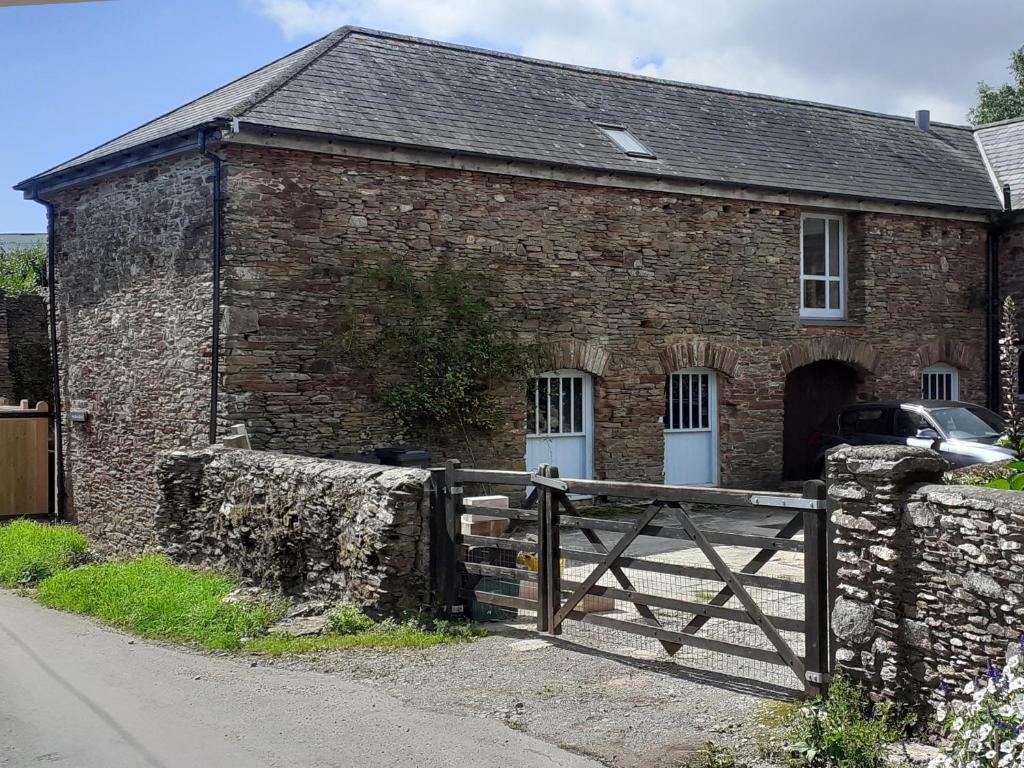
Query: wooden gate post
(816, 603)
(447, 528)
(543, 563)
(553, 555)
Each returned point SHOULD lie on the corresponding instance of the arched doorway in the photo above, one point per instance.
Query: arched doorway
(813, 391)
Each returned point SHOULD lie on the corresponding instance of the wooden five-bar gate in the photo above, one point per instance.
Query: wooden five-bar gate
(549, 502)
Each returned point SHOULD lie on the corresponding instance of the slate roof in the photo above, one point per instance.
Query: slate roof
(1004, 147)
(379, 87)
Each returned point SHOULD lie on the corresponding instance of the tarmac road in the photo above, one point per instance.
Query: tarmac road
(76, 693)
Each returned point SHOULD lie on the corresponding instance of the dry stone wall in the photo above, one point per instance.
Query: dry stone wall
(309, 527)
(930, 578)
(635, 274)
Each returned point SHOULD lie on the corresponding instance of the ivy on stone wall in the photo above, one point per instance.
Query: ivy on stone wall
(437, 348)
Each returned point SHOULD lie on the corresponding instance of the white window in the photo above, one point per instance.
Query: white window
(688, 402)
(625, 140)
(555, 404)
(822, 266)
(940, 382)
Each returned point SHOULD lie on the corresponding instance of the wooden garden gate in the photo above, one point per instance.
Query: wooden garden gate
(461, 579)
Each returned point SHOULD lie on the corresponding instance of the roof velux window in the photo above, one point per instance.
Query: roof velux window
(625, 141)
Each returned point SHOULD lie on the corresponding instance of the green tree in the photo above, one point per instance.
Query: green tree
(1004, 102)
(22, 269)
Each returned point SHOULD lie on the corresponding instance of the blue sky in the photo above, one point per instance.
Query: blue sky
(77, 75)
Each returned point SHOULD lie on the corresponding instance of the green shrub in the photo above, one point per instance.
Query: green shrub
(29, 552)
(845, 730)
(349, 620)
(155, 598)
(22, 269)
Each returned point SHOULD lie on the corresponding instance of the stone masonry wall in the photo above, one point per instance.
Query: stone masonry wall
(29, 360)
(6, 381)
(629, 273)
(930, 578)
(133, 286)
(309, 527)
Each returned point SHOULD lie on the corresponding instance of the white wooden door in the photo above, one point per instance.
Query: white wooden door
(560, 422)
(691, 428)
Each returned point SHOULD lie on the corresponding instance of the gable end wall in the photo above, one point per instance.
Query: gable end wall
(134, 292)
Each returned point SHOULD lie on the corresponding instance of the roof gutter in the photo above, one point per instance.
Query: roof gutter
(59, 503)
(652, 173)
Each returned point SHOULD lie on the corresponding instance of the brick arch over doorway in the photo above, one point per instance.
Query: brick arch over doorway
(570, 354)
(947, 351)
(842, 349)
(698, 353)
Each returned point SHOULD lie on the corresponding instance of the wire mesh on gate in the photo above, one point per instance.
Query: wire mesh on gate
(778, 603)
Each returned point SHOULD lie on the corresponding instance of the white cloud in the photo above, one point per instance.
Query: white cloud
(874, 54)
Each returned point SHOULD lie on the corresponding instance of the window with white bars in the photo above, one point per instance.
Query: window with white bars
(822, 266)
(554, 405)
(688, 402)
(940, 382)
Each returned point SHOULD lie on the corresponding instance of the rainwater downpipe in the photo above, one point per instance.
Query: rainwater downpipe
(59, 505)
(218, 213)
(995, 303)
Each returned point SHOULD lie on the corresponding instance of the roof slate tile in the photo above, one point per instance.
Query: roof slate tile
(373, 86)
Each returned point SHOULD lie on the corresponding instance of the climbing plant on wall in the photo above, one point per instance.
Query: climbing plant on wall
(436, 347)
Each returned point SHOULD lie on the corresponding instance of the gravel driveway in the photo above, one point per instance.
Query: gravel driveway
(619, 711)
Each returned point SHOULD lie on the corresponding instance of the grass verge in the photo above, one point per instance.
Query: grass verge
(30, 552)
(154, 598)
(350, 629)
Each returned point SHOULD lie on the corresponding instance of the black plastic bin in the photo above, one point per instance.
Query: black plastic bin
(403, 457)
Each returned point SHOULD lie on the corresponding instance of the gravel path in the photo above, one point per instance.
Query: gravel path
(619, 711)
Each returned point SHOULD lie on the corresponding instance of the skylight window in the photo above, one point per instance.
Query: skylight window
(625, 141)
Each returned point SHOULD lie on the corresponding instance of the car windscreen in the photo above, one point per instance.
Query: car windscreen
(968, 422)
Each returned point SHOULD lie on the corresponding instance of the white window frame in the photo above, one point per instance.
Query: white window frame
(712, 408)
(831, 313)
(587, 399)
(941, 369)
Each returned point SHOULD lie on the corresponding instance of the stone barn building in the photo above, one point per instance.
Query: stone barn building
(710, 272)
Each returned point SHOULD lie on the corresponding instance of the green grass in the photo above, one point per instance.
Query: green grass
(30, 552)
(348, 628)
(154, 598)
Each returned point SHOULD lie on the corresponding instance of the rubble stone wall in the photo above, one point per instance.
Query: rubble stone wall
(647, 282)
(930, 577)
(309, 527)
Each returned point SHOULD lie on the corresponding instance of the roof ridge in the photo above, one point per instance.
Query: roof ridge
(999, 123)
(642, 78)
(281, 80)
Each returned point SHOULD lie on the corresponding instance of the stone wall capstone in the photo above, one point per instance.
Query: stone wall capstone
(930, 578)
(309, 527)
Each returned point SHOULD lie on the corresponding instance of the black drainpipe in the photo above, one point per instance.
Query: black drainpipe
(994, 314)
(59, 506)
(995, 302)
(218, 205)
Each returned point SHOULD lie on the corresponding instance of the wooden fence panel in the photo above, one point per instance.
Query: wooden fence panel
(24, 460)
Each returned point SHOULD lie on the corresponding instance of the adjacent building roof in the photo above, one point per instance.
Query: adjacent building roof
(11, 241)
(1003, 144)
(372, 86)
